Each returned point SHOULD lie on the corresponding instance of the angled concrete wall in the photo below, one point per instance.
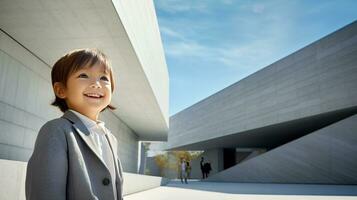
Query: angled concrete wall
(327, 156)
(139, 19)
(319, 78)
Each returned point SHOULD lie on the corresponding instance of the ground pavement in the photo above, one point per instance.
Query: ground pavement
(198, 190)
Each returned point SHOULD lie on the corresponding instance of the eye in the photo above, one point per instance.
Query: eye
(104, 78)
(83, 75)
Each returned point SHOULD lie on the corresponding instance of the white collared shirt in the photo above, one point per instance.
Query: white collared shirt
(183, 166)
(98, 135)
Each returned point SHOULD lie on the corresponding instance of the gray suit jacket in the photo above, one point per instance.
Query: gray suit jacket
(66, 165)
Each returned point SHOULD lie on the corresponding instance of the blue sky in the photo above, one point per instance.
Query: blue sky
(211, 44)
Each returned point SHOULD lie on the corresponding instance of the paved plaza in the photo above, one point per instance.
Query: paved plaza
(198, 190)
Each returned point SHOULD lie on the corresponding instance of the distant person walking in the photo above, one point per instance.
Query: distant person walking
(206, 169)
(202, 168)
(188, 170)
(182, 169)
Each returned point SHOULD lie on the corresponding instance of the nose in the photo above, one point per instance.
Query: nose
(95, 84)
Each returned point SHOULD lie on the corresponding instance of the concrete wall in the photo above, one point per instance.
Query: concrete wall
(13, 175)
(25, 97)
(139, 19)
(327, 156)
(12, 180)
(151, 168)
(213, 156)
(127, 141)
(319, 78)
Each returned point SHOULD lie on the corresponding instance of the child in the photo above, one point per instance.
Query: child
(75, 156)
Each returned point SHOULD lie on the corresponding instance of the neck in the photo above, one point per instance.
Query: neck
(91, 115)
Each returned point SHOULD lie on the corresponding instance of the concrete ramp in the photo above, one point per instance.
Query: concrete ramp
(328, 156)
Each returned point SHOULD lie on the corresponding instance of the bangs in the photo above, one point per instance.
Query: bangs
(89, 58)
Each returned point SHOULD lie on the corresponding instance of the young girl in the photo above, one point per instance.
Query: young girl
(75, 156)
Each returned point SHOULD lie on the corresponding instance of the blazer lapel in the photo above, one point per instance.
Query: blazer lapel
(83, 132)
(114, 146)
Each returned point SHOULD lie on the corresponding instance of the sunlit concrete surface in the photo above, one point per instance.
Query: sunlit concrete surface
(223, 191)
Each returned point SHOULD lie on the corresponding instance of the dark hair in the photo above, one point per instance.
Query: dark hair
(74, 61)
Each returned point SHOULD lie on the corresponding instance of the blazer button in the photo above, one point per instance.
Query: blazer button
(106, 181)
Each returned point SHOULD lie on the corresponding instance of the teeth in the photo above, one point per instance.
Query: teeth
(93, 95)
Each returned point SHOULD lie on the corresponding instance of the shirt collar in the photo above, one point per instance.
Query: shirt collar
(89, 123)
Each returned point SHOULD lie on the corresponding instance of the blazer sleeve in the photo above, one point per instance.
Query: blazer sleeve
(46, 175)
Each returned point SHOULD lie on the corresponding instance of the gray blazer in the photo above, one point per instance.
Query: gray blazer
(66, 165)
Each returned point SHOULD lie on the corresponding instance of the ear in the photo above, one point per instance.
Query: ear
(59, 90)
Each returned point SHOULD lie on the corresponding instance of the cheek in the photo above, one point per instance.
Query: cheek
(109, 95)
(108, 89)
(75, 87)
(75, 92)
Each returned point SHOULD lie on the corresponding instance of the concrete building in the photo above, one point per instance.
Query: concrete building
(34, 34)
(294, 121)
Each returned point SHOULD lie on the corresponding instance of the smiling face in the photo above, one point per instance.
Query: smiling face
(88, 91)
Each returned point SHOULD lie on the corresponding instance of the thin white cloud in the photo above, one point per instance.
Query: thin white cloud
(171, 33)
(186, 49)
(251, 54)
(180, 46)
(262, 38)
(258, 8)
(227, 2)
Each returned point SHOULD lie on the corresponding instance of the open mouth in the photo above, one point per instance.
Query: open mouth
(94, 95)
